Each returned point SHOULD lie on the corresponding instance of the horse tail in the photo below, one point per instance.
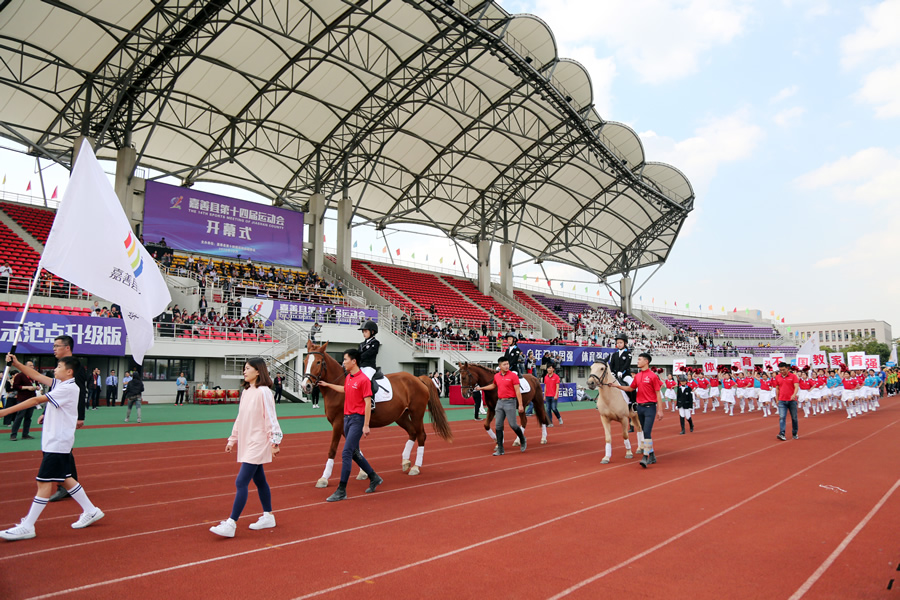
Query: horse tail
(438, 416)
(540, 408)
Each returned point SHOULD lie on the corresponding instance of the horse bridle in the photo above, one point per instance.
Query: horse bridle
(316, 378)
(470, 388)
(605, 372)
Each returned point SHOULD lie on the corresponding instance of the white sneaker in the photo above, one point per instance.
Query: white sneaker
(266, 521)
(19, 532)
(87, 518)
(226, 528)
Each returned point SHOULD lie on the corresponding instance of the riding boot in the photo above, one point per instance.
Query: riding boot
(499, 451)
(682, 425)
(339, 494)
(691, 421)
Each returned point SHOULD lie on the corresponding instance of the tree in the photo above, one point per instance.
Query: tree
(870, 345)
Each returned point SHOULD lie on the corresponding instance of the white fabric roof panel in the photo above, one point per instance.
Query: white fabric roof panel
(457, 115)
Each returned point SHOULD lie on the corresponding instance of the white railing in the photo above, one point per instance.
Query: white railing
(46, 288)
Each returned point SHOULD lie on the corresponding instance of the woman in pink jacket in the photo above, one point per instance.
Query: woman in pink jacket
(257, 435)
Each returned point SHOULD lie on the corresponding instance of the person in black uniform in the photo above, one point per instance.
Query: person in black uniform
(513, 354)
(684, 400)
(368, 355)
(620, 365)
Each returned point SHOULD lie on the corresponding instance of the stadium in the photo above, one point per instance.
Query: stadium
(233, 133)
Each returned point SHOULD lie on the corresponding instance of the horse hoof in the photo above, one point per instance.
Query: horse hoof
(362, 475)
(406, 465)
(543, 440)
(605, 460)
(517, 442)
(414, 471)
(496, 447)
(322, 483)
(629, 455)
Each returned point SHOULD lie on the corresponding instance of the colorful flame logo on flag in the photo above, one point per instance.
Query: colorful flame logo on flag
(134, 255)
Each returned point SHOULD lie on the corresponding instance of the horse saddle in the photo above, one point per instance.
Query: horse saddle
(523, 385)
(378, 375)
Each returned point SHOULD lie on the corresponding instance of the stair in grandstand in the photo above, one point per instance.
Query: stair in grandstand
(545, 313)
(234, 368)
(536, 320)
(647, 317)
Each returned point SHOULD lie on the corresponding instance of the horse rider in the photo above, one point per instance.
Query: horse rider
(368, 355)
(513, 353)
(620, 365)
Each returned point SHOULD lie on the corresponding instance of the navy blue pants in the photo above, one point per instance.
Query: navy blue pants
(353, 425)
(242, 483)
(647, 414)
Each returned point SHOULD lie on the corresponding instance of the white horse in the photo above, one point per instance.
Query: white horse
(613, 406)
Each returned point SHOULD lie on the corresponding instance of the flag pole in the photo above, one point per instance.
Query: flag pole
(21, 325)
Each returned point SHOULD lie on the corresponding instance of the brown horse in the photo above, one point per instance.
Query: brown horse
(612, 406)
(471, 375)
(412, 395)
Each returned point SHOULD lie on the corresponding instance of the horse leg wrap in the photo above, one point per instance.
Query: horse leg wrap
(609, 448)
(627, 447)
(407, 450)
(493, 435)
(543, 432)
(329, 467)
(640, 436)
(420, 455)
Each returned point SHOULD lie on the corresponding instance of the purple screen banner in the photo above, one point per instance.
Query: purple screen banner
(271, 310)
(92, 335)
(212, 224)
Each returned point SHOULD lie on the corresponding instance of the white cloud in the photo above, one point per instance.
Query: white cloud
(662, 41)
(787, 116)
(812, 8)
(879, 35)
(784, 94)
(871, 176)
(719, 140)
(881, 89)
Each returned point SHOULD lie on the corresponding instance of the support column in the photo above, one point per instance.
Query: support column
(125, 161)
(484, 267)
(76, 147)
(506, 275)
(315, 257)
(625, 285)
(344, 234)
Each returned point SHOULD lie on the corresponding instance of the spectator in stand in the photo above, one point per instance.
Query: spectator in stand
(132, 395)
(95, 384)
(203, 306)
(6, 273)
(26, 389)
(181, 389)
(278, 386)
(314, 331)
(112, 389)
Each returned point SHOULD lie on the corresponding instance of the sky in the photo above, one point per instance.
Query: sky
(783, 114)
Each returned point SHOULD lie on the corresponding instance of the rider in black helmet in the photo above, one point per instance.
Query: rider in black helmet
(620, 365)
(368, 353)
(513, 354)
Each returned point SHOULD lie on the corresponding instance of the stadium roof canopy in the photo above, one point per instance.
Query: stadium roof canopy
(449, 114)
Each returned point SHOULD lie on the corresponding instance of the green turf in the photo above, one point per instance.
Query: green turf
(169, 423)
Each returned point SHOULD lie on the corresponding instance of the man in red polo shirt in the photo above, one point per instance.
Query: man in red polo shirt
(647, 384)
(357, 390)
(788, 385)
(509, 397)
(551, 393)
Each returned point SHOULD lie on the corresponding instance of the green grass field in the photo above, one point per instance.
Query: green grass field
(169, 423)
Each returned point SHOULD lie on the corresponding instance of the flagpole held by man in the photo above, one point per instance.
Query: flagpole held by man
(110, 262)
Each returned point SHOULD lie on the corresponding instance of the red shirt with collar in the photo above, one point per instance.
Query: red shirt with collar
(728, 383)
(505, 384)
(356, 389)
(647, 384)
(551, 386)
(703, 383)
(786, 386)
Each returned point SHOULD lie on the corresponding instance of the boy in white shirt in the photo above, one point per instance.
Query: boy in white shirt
(57, 439)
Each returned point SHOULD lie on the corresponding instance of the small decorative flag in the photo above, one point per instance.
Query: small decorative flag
(53, 197)
(688, 305)
(370, 247)
(4, 179)
(598, 292)
(610, 294)
(355, 244)
(467, 267)
(524, 277)
(426, 258)
(398, 251)
(383, 250)
(442, 260)
(710, 307)
(771, 313)
(735, 309)
(413, 254)
(28, 189)
(782, 320)
(560, 284)
(748, 311)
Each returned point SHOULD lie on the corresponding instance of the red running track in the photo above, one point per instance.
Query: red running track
(728, 512)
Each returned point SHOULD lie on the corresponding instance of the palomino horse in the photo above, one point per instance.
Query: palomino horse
(412, 395)
(471, 375)
(612, 406)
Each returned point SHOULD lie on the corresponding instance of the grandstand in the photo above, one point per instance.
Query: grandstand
(462, 118)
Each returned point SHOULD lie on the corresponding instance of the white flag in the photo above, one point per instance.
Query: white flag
(811, 345)
(92, 246)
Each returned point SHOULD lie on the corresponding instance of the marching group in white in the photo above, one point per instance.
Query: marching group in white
(820, 391)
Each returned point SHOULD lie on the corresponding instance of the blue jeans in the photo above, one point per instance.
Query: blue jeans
(552, 408)
(353, 426)
(783, 408)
